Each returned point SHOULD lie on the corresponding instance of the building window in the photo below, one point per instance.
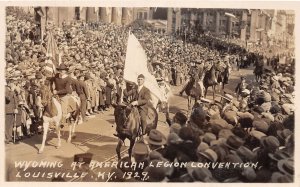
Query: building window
(140, 15)
(77, 13)
(145, 15)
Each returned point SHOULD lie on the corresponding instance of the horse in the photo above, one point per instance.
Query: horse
(210, 80)
(223, 76)
(128, 125)
(51, 111)
(192, 90)
(258, 71)
(215, 76)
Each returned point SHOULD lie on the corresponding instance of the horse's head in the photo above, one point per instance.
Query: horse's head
(127, 117)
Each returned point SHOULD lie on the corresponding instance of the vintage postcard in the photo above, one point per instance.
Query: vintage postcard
(167, 93)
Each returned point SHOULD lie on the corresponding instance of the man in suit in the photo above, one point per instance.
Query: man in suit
(142, 100)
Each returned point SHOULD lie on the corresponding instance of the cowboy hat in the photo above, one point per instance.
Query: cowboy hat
(156, 138)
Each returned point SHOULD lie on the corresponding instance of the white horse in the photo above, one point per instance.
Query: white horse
(53, 104)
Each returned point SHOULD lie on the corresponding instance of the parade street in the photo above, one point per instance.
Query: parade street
(94, 136)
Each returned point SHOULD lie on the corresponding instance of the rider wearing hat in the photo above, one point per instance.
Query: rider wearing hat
(63, 88)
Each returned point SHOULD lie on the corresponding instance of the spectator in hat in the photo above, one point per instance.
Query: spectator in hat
(83, 95)
(11, 110)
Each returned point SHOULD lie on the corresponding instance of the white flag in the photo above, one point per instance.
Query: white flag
(135, 64)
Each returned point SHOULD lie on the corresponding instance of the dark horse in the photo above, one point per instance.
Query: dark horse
(192, 89)
(258, 71)
(128, 121)
(214, 77)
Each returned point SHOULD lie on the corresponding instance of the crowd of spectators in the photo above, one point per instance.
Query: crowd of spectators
(258, 127)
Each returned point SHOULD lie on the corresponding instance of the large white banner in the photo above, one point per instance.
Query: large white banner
(135, 64)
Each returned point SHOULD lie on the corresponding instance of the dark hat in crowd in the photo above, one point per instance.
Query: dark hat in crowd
(234, 142)
(260, 125)
(39, 75)
(156, 138)
(62, 66)
(155, 173)
(239, 131)
(84, 157)
(198, 116)
(283, 134)
(180, 118)
(186, 133)
(278, 177)
(141, 76)
(270, 142)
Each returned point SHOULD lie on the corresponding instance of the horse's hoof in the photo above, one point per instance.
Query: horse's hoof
(69, 140)
(58, 146)
(40, 151)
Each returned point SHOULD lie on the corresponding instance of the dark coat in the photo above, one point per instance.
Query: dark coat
(143, 98)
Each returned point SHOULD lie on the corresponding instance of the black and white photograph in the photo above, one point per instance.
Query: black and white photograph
(149, 94)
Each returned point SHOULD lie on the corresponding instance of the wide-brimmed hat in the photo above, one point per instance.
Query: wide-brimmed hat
(234, 142)
(286, 166)
(260, 125)
(173, 138)
(210, 155)
(278, 177)
(279, 155)
(175, 128)
(245, 154)
(225, 133)
(199, 173)
(270, 142)
(257, 134)
(283, 134)
(140, 149)
(208, 137)
(156, 138)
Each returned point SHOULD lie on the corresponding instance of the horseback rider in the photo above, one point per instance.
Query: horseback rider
(240, 87)
(63, 88)
(192, 73)
(142, 100)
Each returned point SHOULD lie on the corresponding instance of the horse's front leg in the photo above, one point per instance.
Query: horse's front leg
(132, 141)
(118, 149)
(45, 129)
(71, 129)
(189, 102)
(58, 135)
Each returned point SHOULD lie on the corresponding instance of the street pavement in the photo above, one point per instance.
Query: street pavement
(94, 136)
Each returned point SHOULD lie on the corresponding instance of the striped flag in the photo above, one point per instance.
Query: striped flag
(52, 49)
